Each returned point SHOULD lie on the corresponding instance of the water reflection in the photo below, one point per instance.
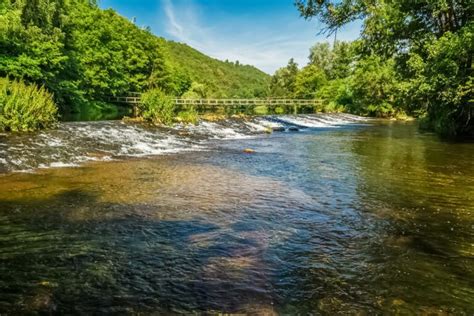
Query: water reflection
(368, 219)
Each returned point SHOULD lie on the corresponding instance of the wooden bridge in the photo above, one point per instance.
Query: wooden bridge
(135, 99)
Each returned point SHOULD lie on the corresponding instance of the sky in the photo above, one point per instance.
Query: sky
(263, 33)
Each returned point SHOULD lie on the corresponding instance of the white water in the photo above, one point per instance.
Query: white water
(76, 143)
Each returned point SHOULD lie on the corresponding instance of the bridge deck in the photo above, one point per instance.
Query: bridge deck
(134, 100)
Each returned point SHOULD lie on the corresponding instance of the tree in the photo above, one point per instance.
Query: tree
(308, 81)
(321, 55)
(196, 91)
(373, 85)
(409, 32)
(283, 81)
(344, 58)
(335, 61)
(85, 55)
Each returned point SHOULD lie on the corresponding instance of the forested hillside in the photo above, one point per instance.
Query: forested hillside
(83, 55)
(222, 79)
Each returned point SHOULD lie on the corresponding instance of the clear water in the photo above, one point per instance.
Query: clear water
(343, 218)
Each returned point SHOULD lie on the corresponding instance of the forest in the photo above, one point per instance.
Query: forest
(413, 58)
(82, 55)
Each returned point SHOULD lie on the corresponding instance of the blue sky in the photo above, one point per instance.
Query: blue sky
(263, 33)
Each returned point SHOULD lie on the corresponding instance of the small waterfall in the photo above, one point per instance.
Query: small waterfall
(75, 143)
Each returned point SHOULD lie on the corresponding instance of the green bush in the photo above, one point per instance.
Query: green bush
(25, 107)
(190, 116)
(260, 110)
(157, 107)
(279, 110)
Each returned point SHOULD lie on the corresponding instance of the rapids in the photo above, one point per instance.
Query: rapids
(74, 143)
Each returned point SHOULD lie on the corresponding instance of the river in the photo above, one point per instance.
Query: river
(332, 215)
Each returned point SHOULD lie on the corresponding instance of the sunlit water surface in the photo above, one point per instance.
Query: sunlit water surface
(331, 219)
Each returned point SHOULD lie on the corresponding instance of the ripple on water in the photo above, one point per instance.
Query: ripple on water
(318, 222)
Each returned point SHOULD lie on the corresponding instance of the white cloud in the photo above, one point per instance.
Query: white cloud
(251, 43)
(173, 27)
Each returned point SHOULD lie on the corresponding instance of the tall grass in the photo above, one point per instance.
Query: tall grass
(25, 107)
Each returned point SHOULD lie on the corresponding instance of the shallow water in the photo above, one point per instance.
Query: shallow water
(333, 219)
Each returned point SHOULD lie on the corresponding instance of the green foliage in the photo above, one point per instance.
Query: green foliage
(111, 54)
(336, 95)
(322, 56)
(25, 107)
(157, 107)
(160, 108)
(261, 110)
(85, 55)
(97, 111)
(373, 86)
(308, 81)
(442, 83)
(220, 79)
(283, 82)
(190, 116)
(335, 61)
(196, 91)
(414, 56)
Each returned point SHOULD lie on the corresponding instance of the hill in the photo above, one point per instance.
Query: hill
(84, 55)
(222, 78)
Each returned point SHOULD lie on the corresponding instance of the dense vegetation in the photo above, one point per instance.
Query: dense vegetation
(159, 108)
(25, 107)
(343, 78)
(218, 79)
(84, 55)
(413, 57)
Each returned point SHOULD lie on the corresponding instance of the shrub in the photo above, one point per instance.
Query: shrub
(25, 107)
(157, 107)
(190, 116)
(260, 110)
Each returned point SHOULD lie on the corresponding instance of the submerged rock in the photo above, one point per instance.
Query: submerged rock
(293, 129)
(41, 302)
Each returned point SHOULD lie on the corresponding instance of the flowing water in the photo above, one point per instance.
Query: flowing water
(332, 215)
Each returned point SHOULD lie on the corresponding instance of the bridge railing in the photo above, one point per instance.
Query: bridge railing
(135, 99)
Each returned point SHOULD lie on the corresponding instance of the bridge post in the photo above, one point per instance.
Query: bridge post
(135, 110)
